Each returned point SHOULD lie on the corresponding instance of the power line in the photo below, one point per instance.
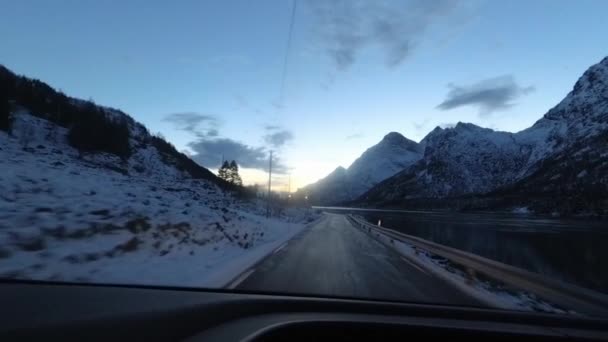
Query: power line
(269, 185)
(287, 50)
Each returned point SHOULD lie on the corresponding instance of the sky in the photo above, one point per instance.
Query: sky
(317, 82)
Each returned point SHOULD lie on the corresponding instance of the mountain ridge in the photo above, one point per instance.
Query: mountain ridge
(468, 160)
(391, 154)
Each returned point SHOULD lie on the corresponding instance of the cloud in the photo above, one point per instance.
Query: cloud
(447, 124)
(345, 27)
(420, 126)
(278, 139)
(210, 152)
(241, 101)
(277, 136)
(213, 133)
(354, 136)
(488, 95)
(209, 148)
(201, 125)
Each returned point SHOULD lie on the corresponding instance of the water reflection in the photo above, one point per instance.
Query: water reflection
(573, 251)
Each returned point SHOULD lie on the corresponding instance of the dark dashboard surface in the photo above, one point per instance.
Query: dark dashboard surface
(55, 311)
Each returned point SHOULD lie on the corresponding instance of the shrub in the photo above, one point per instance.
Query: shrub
(92, 131)
(183, 163)
(5, 114)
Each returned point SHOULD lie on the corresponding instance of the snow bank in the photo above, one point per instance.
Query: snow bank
(490, 292)
(96, 218)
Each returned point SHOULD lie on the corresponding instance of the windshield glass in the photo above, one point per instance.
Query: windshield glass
(440, 152)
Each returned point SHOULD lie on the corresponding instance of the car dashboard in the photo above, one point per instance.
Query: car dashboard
(59, 311)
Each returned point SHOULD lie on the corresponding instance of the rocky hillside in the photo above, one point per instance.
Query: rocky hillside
(468, 159)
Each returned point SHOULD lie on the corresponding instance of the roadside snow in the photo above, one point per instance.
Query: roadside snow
(96, 218)
(489, 292)
(521, 210)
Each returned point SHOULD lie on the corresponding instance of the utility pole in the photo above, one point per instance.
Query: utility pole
(269, 185)
(289, 191)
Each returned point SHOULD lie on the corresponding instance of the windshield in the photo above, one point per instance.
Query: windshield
(436, 152)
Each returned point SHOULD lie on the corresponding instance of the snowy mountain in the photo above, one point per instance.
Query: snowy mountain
(468, 159)
(571, 181)
(391, 155)
(87, 194)
(582, 113)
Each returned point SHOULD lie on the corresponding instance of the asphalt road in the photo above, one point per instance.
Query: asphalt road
(333, 258)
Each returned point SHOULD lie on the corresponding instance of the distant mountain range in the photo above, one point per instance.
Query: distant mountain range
(391, 155)
(559, 164)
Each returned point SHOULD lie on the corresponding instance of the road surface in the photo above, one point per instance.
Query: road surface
(333, 258)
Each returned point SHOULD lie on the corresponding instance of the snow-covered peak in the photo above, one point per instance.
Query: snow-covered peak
(588, 98)
(338, 173)
(470, 159)
(467, 126)
(593, 82)
(437, 130)
(582, 113)
(397, 139)
(464, 136)
(391, 155)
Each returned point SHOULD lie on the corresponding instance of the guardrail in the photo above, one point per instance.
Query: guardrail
(570, 296)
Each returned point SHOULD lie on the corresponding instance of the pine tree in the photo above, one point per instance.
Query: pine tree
(5, 118)
(224, 171)
(235, 178)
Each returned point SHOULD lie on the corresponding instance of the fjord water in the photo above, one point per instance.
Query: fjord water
(574, 250)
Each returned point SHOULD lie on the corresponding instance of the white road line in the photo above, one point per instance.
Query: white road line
(415, 266)
(280, 247)
(240, 279)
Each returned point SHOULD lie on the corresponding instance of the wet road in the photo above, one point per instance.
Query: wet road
(333, 258)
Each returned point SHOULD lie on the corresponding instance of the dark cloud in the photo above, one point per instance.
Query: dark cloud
(347, 26)
(209, 148)
(212, 133)
(210, 152)
(278, 139)
(276, 136)
(200, 125)
(489, 95)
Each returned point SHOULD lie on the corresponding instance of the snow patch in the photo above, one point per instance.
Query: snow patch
(488, 291)
(97, 218)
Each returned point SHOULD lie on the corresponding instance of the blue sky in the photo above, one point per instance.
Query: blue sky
(208, 74)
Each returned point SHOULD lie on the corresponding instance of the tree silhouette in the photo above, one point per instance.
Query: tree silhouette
(224, 171)
(234, 176)
(5, 119)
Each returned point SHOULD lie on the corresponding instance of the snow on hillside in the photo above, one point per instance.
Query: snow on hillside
(66, 216)
(391, 155)
(582, 113)
(469, 159)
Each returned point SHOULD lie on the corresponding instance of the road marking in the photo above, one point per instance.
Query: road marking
(280, 247)
(415, 266)
(240, 279)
